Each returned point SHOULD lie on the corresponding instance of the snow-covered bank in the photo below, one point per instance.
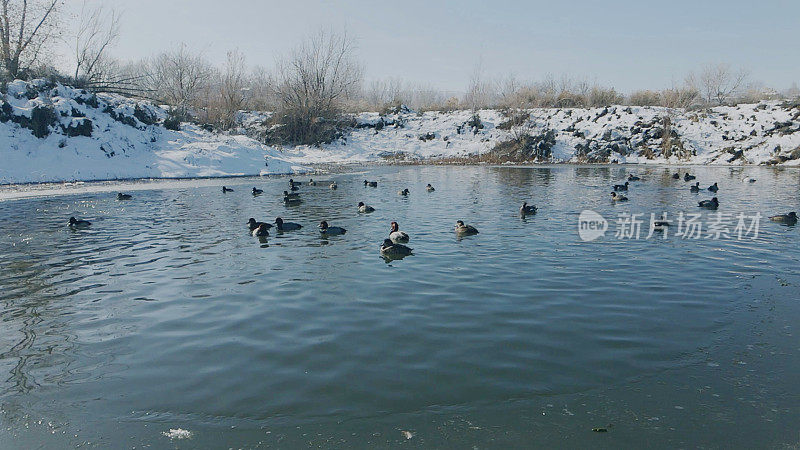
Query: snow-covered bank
(83, 136)
(50, 132)
(765, 133)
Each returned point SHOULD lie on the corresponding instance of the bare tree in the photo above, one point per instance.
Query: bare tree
(26, 26)
(313, 85)
(178, 78)
(480, 91)
(98, 30)
(232, 84)
(718, 83)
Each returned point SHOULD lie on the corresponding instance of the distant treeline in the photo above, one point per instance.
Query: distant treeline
(310, 91)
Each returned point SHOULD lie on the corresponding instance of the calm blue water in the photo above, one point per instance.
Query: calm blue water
(166, 314)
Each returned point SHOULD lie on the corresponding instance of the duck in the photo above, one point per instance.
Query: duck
(330, 231)
(389, 248)
(226, 189)
(261, 231)
(687, 177)
(294, 188)
(334, 185)
(661, 224)
(527, 209)
(286, 226)
(695, 187)
(252, 224)
(370, 183)
(292, 183)
(465, 230)
(397, 236)
(618, 197)
(429, 188)
(403, 192)
(788, 219)
(632, 177)
(287, 194)
(362, 208)
(748, 180)
(257, 191)
(713, 187)
(311, 182)
(75, 223)
(709, 204)
(292, 201)
(676, 176)
(621, 187)
(121, 196)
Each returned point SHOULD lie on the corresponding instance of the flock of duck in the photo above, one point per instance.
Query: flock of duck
(713, 203)
(393, 246)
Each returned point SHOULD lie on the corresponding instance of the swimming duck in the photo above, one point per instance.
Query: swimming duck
(695, 187)
(618, 198)
(286, 226)
(676, 176)
(788, 219)
(403, 192)
(621, 187)
(465, 230)
(713, 187)
(389, 248)
(261, 231)
(292, 183)
(334, 185)
(226, 189)
(632, 177)
(292, 201)
(257, 191)
(121, 196)
(330, 231)
(252, 224)
(709, 204)
(370, 183)
(294, 188)
(429, 188)
(397, 236)
(362, 208)
(527, 209)
(662, 224)
(75, 223)
(311, 182)
(687, 177)
(287, 194)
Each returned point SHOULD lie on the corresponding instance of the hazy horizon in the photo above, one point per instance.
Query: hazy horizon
(620, 43)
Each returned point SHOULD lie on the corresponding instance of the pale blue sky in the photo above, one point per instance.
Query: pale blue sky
(630, 44)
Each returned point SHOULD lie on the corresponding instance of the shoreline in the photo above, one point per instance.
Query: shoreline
(19, 191)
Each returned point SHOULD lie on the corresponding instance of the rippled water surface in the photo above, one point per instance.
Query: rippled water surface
(166, 314)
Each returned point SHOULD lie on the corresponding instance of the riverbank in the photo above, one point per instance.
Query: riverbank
(54, 133)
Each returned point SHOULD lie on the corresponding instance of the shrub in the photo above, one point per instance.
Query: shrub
(645, 98)
(144, 115)
(79, 127)
(42, 118)
(173, 123)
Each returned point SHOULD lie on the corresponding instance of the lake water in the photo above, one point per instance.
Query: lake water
(166, 314)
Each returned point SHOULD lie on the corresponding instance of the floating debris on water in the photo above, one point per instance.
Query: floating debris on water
(407, 434)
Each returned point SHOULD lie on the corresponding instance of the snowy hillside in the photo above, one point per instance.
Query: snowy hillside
(766, 133)
(56, 133)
